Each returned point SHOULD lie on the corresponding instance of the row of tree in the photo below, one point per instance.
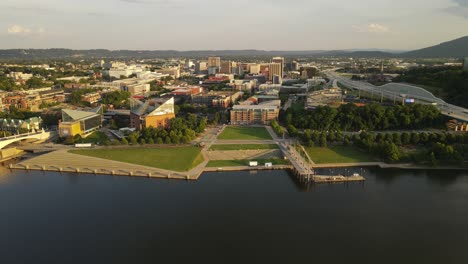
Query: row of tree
(119, 99)
(181, 131)
(350, 117)
(433, 147)
(277, 128)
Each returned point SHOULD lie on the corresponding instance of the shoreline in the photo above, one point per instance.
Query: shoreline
(155, 172)
(62, 160)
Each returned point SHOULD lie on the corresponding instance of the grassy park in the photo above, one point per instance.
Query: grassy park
(245, 133)
(169, 158)
(95, 138)
(338, 154)
(243, 147)
(237, 163)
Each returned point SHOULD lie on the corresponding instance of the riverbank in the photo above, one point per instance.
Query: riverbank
(64, 161)
(383, 165)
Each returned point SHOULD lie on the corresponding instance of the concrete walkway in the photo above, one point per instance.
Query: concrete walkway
(62, 160)
(383, 165)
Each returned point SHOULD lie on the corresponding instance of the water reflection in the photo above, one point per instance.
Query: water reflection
(311, 187)
(73, 178)
(443, 177)
(386, 176)
(5, 175)
(235, 214)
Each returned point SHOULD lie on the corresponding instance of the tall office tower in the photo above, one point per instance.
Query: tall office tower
(188, 64)
(275, 69)
(254, 68)
(294, 66)
(214, 62)
(226, 67)
(279, 60)
(201, 66)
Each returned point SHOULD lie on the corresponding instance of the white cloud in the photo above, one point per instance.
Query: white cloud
(18, 30)
(372, 28)
(21, 30)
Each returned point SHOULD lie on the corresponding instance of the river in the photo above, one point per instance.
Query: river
(240, 217)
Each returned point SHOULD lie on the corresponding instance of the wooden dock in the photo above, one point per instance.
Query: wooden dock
(339, 178)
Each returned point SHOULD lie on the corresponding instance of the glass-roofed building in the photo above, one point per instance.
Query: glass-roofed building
(150, 114)
(75, 122)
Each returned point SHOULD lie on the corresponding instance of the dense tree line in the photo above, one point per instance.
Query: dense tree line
(15, 113)
(277, 128)
(350, 117)
(431, 148)
(118, 99)
(52, 74)
(181, 131)
(35, 82)
(7, 84)
(449, 83)
(76, 96)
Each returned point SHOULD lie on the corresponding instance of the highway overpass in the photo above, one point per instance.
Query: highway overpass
(400, 92)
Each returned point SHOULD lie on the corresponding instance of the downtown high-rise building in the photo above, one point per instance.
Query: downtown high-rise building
(201, 67)
(275, 72)
(294, 66)
(226, 67)
(214, 62)
(279, 60)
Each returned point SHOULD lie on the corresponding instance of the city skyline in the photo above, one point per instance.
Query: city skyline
(217, 25)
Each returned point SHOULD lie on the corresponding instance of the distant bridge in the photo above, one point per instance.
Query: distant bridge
(41, 135)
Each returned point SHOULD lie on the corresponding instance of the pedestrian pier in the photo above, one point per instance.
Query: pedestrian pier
(339, 178)
(301, 168)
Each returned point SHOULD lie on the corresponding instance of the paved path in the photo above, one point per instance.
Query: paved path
(62, 160)
(384, 165)
(244, 154)
(272, 133)
(243, 142)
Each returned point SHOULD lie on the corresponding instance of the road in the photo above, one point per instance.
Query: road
(425, 97)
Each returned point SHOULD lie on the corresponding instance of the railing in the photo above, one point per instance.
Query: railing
(22, 135)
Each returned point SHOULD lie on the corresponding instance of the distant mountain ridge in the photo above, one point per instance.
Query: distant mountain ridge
(457, 48)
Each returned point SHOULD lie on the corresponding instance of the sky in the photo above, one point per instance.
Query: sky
(231, 24)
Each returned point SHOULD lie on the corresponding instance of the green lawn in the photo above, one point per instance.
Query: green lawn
(244, 146)
(169, 158)
(95, 137)
(237, 163)
(338, 154)
(245, 133)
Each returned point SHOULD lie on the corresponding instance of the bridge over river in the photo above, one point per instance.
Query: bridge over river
(41, 135)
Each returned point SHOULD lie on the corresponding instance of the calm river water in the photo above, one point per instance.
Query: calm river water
(240, 217)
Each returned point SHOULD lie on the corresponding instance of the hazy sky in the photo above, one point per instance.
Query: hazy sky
(231, 24)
